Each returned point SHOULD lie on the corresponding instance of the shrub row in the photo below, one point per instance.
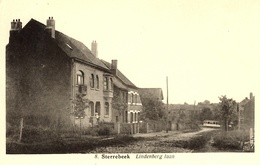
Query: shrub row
(31, 134)
(103, 129)
(194, 143)
(231, 140)
(61, 146)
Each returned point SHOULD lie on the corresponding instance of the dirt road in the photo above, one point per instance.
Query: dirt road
(159, 142)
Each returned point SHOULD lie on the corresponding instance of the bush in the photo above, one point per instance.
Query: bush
(198, 142)
(142, 130)
(230, 140)
(125, 128)
(194, 143)
(12, 132)
(93, 131)
(103, 129)
(38, 134)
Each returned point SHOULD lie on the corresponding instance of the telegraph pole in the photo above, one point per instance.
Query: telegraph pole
(167, 105)
(239, 118)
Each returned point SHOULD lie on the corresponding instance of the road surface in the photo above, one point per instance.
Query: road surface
(159, 142)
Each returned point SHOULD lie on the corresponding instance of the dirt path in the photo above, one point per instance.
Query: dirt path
(159, 142)
(173, 135)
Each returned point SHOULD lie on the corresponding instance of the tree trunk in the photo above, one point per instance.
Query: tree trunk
(80, 127)
(226, 125)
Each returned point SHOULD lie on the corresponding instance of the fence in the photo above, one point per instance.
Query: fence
(126, 128)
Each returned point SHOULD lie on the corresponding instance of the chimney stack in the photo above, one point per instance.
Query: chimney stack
(94, 48)
(114, 67)
(251, 95)
(50, 26)
(16, 26)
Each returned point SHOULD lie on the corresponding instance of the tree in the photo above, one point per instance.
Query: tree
(153, 109)
(80, 104)
(227, 107)
(119, 102)
(205, 114)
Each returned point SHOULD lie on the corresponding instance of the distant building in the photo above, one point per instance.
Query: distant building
(151, 93)
(247, 112)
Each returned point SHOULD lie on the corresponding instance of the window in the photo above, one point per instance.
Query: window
(91, 105)
(97, 108)
(132, 98)
(111, 84)
(126, 116)
(135, 99)
(91, 81)
(105, 83)
(97, 82)
(124, 97)
(80, 78)
(131, 117)
(106, 108)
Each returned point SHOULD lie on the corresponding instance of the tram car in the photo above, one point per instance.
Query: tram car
(211, 123)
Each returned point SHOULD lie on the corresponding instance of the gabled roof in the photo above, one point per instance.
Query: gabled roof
(244, 101)
(153, 93)
(120, 75)
(73, 48)
(119, 84)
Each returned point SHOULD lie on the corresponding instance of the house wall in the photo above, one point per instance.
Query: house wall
(134, 106)
(119, 105)
(37, 81)
(94, 95)
(249, 114)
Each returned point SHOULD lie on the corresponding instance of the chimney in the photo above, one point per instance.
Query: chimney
(114, 67)
(50, 26)
(251, 95)
(94, 48)
(16, 26)
(19, 25)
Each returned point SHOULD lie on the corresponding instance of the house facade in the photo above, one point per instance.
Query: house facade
(246, 112)
(45, 69)
(127, 102)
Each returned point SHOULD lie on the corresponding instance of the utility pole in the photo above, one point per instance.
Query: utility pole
(167, 105)
(238, 111)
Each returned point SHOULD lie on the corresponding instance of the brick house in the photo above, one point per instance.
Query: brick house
(125, 93)
(45, 69)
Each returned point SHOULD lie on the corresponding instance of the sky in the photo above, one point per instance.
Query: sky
(206, 48)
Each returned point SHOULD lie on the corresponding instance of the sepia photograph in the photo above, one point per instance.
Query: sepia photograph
(165, 81)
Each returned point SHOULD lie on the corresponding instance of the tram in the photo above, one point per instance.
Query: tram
(211, 123)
